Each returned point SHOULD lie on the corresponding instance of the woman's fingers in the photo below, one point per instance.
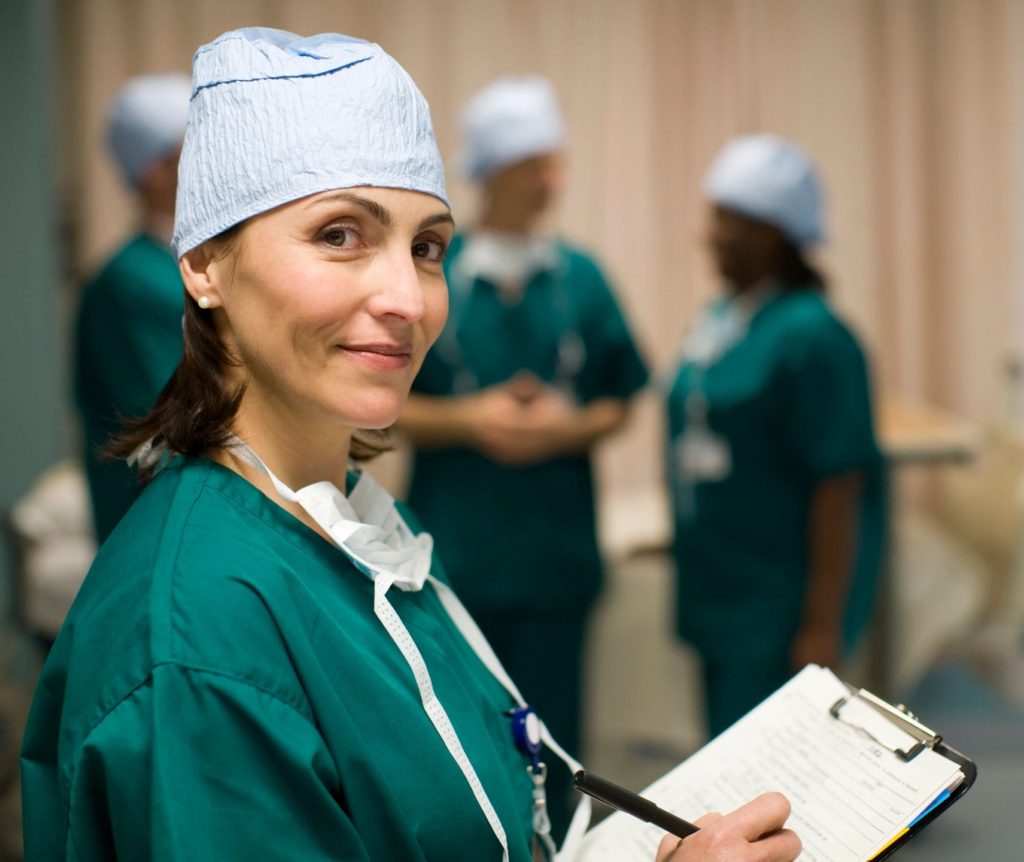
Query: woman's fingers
(752, 833)
(667, 845)
(761, 816)
(781, 846)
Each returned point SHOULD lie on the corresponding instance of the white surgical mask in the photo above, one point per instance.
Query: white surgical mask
(506, 260)
(724, 325)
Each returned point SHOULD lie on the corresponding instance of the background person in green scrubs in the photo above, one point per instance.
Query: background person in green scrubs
(128, 330)
(256, 672)
(534, 367)
(777, 479)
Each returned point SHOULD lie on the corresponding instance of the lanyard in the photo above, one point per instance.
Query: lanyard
(698, 454)
(572, 352)
(717, 331)
(383, 547)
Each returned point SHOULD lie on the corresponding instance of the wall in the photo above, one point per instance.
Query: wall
(913, 110)
(31, 352)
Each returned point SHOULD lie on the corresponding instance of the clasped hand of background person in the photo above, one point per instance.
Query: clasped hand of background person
(752, 833)
(523, 421)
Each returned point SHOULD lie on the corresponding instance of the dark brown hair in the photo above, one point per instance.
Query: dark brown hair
(797, 273)
(194, 411)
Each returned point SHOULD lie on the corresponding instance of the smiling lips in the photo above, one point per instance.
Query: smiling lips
(382, 356)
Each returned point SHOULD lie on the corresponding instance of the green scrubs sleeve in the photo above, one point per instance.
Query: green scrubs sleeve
(136, 341)
(825, 402)
(231, 771)
(614, 367)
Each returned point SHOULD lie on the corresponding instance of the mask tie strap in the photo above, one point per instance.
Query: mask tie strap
(471, 632)
(389, 618)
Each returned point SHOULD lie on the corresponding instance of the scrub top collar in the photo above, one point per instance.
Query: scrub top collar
(482, 258)
(508, 261)
(726, 322)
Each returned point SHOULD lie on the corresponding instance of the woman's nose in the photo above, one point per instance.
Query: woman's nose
(399, 288)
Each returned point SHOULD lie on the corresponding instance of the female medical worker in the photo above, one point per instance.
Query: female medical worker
(776, 474)
(257, 672)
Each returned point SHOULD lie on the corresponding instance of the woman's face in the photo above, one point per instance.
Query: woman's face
(745, 250)
(330, 303)
(529, 187)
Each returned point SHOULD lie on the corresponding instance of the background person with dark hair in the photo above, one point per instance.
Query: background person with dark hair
(776, 476)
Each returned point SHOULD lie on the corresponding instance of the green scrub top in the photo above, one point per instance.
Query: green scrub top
(517, 536)
(128, 343)
(792, 401)
(222, 690)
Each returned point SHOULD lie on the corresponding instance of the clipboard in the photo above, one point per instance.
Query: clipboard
(863, 776)
(924, 738)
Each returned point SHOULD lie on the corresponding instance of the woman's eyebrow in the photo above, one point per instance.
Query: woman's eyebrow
(438, 218)
(379, 212)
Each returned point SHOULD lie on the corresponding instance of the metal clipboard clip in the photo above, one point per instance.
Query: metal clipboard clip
(902, 717)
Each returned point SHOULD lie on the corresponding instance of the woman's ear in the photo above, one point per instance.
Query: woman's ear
(203, 274)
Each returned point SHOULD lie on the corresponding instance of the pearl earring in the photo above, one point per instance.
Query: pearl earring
(204, 301)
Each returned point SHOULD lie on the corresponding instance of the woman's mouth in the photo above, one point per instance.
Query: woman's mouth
(383, 356)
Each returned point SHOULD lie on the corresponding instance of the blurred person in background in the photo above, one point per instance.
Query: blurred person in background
(535, 365)
(256, 672)
(777, 479)
(128, 330)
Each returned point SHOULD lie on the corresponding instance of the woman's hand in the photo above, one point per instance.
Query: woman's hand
(752, 833)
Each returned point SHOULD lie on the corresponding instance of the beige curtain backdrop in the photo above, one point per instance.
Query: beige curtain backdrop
(912, 108)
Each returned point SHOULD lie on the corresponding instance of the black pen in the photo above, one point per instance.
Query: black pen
(622, 799)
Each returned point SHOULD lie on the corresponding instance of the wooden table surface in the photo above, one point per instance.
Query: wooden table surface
(914, 432)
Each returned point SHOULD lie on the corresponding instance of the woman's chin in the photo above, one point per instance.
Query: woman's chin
(376, 416)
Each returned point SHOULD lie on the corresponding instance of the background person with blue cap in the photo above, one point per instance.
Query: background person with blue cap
(536, 364)
(266, 661)
(128, 329)
(776, 476)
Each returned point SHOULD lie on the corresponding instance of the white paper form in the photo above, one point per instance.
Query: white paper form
(850, 794)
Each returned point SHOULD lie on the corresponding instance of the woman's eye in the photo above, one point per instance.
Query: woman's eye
(429, 249)
(340, 237)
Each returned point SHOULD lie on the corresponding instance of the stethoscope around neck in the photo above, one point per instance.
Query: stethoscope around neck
(571, 350)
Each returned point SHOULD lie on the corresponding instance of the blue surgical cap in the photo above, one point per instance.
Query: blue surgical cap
(147, 121)
(276, 117)
(771, 180)
(510, 120)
